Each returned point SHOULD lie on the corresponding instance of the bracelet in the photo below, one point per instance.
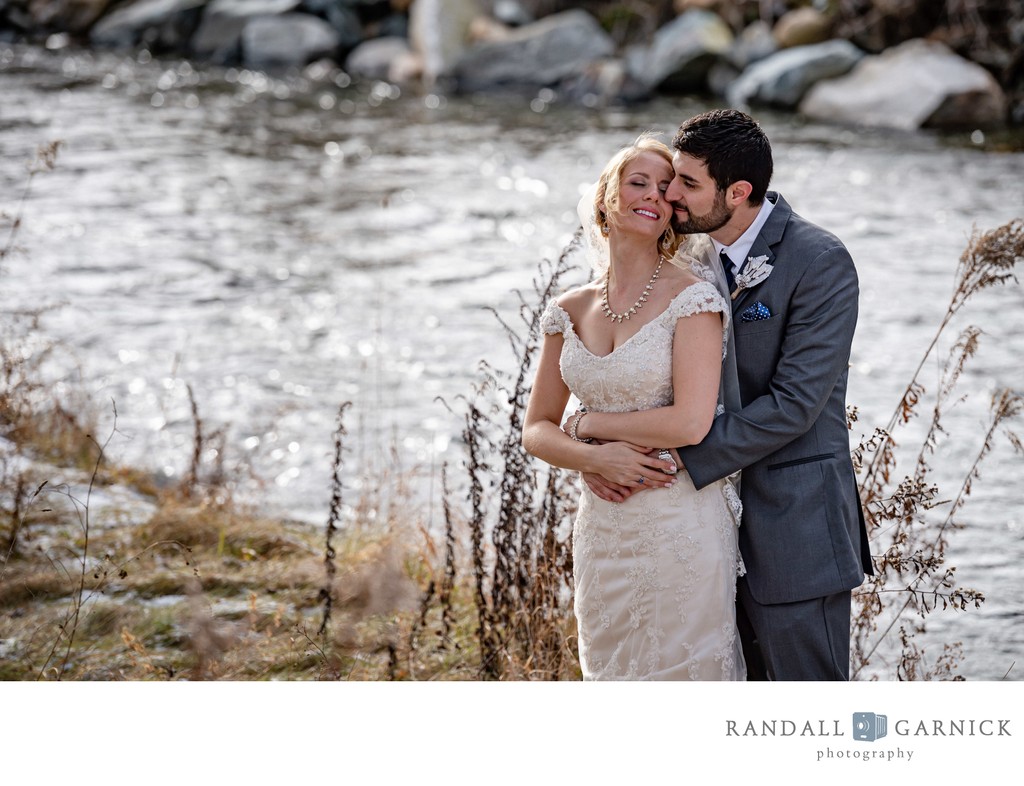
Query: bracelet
(575, 425)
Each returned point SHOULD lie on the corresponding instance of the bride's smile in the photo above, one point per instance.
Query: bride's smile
(639, 206)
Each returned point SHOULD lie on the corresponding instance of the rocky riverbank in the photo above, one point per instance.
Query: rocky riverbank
(907, 65)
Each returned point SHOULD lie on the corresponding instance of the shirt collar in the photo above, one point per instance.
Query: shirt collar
(741, 248)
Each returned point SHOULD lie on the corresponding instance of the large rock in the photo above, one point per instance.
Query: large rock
(159, 24)
(381, 58)
(731, 11)
(682, 53)
(342, 17)
(74, 16)
(917, 84)
(603, 82)
(755, 42)
(543, 53)
(783, 78)
(289, 40)
(512, 13)
(802, 27)
(439, 33)
(219, 35)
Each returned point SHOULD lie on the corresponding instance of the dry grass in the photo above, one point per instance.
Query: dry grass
(197, 593)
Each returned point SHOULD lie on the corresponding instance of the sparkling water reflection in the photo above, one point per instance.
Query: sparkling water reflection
(283, 245)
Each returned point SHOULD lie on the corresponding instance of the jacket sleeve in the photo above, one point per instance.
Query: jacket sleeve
(814, 356)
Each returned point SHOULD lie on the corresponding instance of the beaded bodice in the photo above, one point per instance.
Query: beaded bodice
(638, 373)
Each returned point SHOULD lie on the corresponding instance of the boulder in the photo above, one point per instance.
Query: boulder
(512, 13)
(731, 11)
(157, 24)
(286, 41)
(439, 32)
(917, 84)
(378, 57)
(546, 52)
(721, 75)
(343, 18)
(486, 28)
(406, 67)
(601, 83)
(682, 6)
(802, 27)
(681, 53)
(755, 42)
(219, 35)
(392, 24)
(73, 16)
(783, 78)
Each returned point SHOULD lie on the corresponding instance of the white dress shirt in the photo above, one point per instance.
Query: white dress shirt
(739, 250)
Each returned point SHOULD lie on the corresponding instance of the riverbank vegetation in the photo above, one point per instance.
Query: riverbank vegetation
(107, 573)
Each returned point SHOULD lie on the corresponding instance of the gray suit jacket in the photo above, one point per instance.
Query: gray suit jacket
(803, 533)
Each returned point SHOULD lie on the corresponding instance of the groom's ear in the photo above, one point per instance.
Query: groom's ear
(738, 193)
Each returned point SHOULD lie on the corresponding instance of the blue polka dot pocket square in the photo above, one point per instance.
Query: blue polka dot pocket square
(755, 313)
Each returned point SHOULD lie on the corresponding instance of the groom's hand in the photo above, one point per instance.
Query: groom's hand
(605, 489)
(680, 467)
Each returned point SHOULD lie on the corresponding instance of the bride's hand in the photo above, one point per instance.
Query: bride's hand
(631, 466)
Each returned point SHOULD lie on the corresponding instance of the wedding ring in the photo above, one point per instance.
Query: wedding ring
(640, 481)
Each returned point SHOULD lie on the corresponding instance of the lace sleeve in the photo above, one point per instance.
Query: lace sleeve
(554, 319)
(697, 299)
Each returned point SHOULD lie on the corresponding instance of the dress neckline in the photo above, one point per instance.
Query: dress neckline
(575, 335)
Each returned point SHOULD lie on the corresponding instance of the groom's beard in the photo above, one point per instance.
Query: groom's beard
(716, 218)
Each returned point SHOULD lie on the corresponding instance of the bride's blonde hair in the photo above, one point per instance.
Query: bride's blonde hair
(607, 196)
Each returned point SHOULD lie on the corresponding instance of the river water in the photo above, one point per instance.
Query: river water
(284, 245)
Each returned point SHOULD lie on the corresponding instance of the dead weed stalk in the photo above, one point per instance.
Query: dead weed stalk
(520, 552)
(908, 521)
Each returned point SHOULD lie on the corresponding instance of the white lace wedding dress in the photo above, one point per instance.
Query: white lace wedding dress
(655, 576)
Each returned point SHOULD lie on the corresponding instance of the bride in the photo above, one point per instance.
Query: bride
(641, 347)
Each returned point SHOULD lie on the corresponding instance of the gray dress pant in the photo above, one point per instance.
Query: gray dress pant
(806, 640)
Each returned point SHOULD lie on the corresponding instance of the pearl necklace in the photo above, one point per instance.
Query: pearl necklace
(639, 303)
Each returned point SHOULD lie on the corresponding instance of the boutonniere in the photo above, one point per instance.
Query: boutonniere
(754, 272)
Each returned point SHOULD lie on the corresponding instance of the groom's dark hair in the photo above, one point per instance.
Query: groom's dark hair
(732, 146)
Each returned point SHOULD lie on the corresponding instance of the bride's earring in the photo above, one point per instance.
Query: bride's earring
(605, 229)
(666, 241)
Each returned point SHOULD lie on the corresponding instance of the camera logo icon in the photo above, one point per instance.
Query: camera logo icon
(868, 726)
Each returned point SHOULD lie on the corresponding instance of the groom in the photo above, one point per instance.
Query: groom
(802, 538)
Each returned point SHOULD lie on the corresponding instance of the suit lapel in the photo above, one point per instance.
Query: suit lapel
(769, 236)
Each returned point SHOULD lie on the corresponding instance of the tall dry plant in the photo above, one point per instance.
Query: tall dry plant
(68, 629)
(909, 522)
(326, 595)
(520, 546)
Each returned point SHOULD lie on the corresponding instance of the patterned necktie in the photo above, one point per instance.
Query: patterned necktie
(730, 278)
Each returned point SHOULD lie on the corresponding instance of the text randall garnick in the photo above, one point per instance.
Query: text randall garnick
(835, 728)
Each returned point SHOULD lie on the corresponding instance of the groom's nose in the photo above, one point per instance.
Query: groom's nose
(673, 192)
